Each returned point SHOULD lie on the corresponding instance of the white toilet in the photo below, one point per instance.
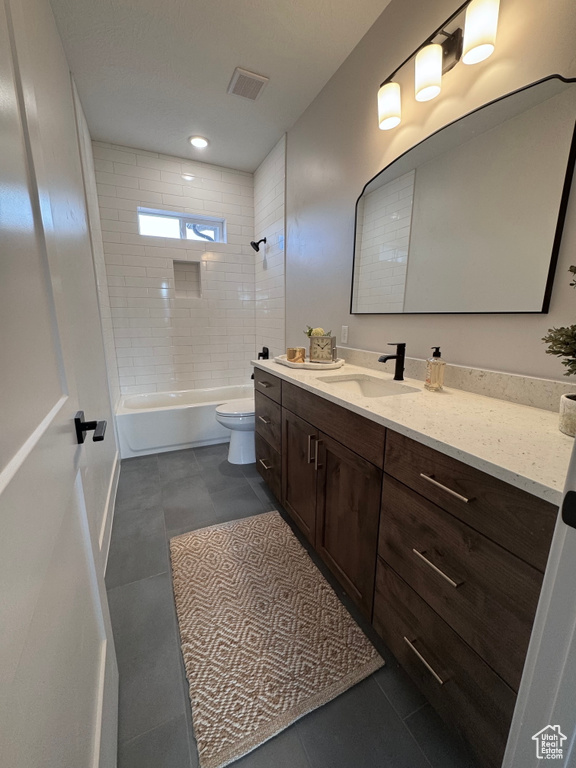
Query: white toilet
(238, 416)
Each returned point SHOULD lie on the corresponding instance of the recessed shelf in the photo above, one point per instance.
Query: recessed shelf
(187, 280)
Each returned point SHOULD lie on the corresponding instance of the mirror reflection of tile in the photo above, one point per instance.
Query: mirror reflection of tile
(466, 220)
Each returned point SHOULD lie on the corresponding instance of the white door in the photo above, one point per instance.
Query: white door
(57, 667)
(547, 694)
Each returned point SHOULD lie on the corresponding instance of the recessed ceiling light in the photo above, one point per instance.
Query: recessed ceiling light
(188, 177)
(198, 141)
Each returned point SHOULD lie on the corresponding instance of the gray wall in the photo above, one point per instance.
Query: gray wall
(336, 146)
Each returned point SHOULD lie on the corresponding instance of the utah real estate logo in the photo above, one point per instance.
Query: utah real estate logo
(549, 743)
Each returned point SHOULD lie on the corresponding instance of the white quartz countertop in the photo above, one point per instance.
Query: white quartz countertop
(515, 443)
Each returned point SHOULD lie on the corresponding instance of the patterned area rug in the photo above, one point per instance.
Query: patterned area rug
(265, 640)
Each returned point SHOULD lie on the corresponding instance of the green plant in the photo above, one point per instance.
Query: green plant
(316, 331)
(562, 341)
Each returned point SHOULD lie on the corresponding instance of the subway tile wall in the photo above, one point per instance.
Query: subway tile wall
(269, 182)
(384, 232)
(164, 342)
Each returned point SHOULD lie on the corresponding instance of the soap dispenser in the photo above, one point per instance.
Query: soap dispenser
(435, 371)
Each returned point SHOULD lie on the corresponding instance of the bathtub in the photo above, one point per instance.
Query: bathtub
(169, 421)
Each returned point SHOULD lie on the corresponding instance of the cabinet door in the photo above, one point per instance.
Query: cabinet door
(347, 515)
(298, 472)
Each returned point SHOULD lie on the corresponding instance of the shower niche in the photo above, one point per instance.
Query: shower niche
(187, 280)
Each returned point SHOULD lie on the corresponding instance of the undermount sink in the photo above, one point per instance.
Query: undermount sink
(367, 386)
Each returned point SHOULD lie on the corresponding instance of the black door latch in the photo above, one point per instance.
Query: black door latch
(82, 427)
(569, 509)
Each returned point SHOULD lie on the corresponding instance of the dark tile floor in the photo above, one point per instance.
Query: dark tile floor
(383, 722)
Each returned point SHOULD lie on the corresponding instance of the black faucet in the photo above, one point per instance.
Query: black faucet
(399, 357)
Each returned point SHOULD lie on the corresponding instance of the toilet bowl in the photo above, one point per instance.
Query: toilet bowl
(238, 416)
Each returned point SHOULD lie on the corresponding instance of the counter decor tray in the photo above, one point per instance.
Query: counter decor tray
(281, 359)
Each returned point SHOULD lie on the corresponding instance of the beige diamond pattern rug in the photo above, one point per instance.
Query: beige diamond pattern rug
(265, 640)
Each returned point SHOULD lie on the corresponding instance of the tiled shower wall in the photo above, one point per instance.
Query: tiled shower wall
(164, 342)
(269, 182)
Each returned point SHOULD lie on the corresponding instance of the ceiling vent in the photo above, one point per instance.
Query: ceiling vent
(247, 84)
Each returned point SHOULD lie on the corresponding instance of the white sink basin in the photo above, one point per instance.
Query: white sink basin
(367, 386)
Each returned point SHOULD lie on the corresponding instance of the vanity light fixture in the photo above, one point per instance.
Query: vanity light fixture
(428, 72)
(439, 54)
(480, 30)
(389, 106)
(198, 141)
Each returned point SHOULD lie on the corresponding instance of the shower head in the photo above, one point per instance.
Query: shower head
(256, 246)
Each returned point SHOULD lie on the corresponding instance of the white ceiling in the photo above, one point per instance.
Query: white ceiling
(150, 73)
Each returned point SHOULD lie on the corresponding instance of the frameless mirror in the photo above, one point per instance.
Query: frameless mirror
(470, 219)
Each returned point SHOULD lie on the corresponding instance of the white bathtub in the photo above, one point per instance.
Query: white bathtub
(169, 421)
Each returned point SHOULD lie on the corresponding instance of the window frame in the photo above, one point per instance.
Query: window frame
(184, 219)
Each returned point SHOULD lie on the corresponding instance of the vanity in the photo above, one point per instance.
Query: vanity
(435, 513)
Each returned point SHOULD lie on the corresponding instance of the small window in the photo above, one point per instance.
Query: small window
(181, 226)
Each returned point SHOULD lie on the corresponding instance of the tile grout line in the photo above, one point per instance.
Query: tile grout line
(125, 742)
(136, 581)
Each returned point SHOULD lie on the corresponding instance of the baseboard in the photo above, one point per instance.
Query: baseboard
(106, 529)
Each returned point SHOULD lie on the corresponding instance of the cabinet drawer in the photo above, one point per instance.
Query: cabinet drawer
(364, 437)
(269, 420)
(518, 521)
(269, 385)
(485, 593)
(269, 465)
(466, 692)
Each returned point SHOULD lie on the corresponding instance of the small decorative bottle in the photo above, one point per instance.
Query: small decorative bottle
(435, 371)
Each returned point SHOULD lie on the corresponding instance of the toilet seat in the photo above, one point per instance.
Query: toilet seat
(243, 407)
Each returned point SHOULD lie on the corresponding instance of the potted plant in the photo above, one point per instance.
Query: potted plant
(562, 343)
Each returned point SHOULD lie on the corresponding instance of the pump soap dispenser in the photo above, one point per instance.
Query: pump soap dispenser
(435, 371)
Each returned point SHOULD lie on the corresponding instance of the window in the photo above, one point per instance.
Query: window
(181, 226)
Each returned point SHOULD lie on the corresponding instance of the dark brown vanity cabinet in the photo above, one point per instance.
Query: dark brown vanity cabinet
(461, 557)
(331, 491)
(445, 560)
(333, 495)
(347, 515)
(268, 426)
(299, 472)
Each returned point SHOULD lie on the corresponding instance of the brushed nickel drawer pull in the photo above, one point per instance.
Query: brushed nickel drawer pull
(430, 479)
(435, 568)
(264, 384)
(264, 420)
(310, 438)
(423, 660)
(266, 466)
(316, 465)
